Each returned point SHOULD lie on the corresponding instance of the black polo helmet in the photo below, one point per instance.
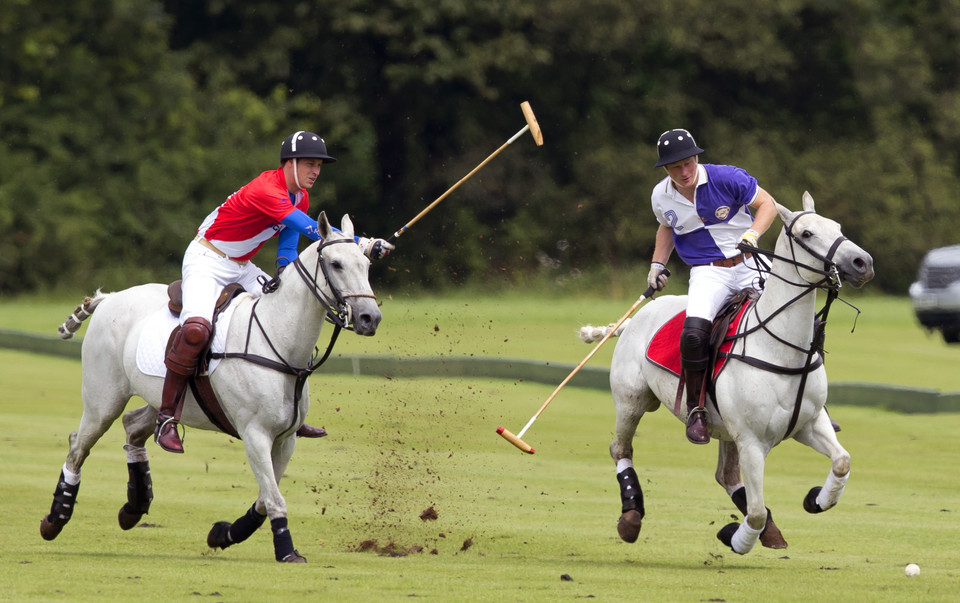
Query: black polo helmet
(303, 144)
(676, 145)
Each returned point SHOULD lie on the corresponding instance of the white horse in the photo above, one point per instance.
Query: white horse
(773, 386)
(261, 382)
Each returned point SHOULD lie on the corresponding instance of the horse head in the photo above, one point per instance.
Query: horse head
(819, 250)
(345, 290)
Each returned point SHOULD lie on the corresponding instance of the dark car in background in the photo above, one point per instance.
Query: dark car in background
(936, 293)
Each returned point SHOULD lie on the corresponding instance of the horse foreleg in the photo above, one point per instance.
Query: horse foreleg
(742, 537)
(820, 435)
(138, 425)
(728, 476)
(266, 455)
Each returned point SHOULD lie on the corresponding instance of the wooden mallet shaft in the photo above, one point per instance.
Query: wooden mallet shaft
(517, 440)
(534, 129)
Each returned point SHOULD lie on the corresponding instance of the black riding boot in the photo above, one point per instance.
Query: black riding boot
(695, 358)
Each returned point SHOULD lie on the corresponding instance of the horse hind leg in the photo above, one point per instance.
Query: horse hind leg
(138, 425)
(92, 427)
(630, 409)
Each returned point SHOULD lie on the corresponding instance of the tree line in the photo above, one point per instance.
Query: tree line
(124, 122)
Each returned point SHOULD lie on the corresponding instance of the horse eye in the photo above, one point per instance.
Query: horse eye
(336, 265)
(807, 234)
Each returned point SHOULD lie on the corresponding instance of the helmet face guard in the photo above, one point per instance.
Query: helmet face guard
(304, 145)
(676, 145)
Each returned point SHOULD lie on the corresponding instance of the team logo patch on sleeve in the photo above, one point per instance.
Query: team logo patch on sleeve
(722, 212)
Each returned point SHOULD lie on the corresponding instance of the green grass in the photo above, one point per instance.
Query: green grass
(887, 345)
(509, 525)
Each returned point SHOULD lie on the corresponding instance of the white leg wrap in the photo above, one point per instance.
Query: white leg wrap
(744, 538)
(70, 477)
(135, 454)
(624, 464)
(831, 491)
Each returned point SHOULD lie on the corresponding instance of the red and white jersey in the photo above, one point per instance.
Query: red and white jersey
(252, 215)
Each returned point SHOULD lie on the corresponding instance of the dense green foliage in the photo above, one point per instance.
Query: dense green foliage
(124, 122)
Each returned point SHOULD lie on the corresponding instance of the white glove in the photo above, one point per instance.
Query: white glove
(375, 249)
(656, 278)
(749, 237)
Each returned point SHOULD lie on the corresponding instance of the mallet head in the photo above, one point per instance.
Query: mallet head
(532, 122)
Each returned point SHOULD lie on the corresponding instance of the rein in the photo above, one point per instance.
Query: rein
(831, 282)
(336, 310)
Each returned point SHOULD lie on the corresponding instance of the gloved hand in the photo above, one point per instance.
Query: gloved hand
(749, 237)
(657, 277)
(375, 248)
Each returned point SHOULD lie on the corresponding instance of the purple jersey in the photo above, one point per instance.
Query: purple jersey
(711, 228)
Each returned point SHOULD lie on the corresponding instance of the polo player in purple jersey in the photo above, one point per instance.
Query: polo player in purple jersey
(704, 213)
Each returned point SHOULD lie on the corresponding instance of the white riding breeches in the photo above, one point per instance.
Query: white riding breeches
(205, 274)
(713, 286)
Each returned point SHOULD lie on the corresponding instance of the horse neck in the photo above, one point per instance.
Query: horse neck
(787, 304)
(291, 316)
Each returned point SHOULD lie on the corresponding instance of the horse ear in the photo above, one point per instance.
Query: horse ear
(808, 202)
(786, 216)
(346, 225)
(324, 225)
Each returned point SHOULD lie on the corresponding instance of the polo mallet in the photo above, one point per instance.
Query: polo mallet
(517, 440)
(534, 129)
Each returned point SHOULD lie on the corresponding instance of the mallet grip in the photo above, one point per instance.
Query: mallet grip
(515, 440)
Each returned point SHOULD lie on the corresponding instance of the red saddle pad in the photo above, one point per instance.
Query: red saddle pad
(664, 348)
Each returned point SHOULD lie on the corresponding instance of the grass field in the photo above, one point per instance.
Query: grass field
(509, 526)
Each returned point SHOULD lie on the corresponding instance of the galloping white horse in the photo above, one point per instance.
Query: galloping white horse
(773, 386)
(263, 392)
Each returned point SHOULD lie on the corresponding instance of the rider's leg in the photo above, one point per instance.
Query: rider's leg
(181, 362)
(694, 358)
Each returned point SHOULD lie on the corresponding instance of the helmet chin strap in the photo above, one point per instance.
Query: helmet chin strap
(296, 178)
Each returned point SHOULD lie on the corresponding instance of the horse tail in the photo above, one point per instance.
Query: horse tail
(72, 324)
(592, 334)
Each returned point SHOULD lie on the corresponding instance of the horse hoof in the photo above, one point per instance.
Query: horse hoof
(725, 535)
(126, 519)
(294, 557)
(219, 535)
(771, 537)
(48, 529)
(629, 525)
(810, 502)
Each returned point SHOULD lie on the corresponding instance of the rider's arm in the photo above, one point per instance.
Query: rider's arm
(287, 246)
(300, 222)
(765, 210)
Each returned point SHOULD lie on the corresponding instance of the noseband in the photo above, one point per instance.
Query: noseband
(337, 310)
(831, 273)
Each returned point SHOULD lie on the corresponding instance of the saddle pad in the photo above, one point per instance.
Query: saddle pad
(152, 346)
(664, 348)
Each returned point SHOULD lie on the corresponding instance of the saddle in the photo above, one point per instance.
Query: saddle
(664, 348)
(200, 381)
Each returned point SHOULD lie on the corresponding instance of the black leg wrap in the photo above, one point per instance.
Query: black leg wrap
(739, 498)
(64, 500)
(631, 494)
(243, 527)
(282, 541)
(139, 494)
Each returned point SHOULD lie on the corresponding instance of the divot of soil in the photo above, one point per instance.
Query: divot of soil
(429, 514)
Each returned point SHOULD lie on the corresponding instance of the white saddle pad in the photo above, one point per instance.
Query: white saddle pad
(153, 341)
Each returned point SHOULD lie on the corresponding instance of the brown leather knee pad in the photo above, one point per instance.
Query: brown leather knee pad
(188, 343)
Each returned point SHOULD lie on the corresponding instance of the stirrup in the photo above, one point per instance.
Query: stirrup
(182, 435)
(691, 417)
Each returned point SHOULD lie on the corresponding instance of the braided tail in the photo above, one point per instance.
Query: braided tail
(72, 324)
(592, 334)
